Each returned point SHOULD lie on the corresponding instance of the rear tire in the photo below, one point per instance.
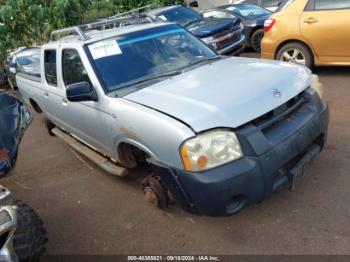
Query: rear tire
(255, 40)
(296, 53)
(30, 237)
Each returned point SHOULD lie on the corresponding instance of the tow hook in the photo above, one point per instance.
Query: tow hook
(155, 192)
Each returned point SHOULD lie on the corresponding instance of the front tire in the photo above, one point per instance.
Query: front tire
(30, 237)
(296, 53)
(255, 40)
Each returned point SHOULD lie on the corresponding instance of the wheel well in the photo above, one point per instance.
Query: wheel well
(253, 31)
(294, 41)
(130, 156)
(257, 28)
(35, 106)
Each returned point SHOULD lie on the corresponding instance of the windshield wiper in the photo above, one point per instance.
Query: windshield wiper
(144, 80)
(208, 59)
(191, 22)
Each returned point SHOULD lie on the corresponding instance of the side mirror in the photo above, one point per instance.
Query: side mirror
(80, 92)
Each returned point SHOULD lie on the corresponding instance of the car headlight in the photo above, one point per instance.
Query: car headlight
(317, 85)
(210, 149)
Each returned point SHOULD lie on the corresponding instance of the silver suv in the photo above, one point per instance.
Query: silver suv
(218, 132)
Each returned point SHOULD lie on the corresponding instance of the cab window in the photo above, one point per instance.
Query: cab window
(50, 67)
(73, 68)
(331, 4)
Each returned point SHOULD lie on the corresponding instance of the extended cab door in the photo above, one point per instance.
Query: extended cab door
(53, 96)
(325, 24)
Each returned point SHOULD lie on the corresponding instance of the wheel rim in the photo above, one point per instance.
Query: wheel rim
(257, 41)
(294, 56)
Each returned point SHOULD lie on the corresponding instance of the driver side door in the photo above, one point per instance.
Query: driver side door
(84, 119)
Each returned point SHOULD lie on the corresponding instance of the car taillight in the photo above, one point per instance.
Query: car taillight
(269, 23)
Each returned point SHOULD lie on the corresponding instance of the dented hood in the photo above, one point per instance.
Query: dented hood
(226, 93)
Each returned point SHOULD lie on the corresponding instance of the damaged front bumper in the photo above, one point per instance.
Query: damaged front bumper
(271, 157)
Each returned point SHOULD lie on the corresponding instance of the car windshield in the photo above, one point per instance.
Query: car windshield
(248, 11)
(181, 15)
(147, 54)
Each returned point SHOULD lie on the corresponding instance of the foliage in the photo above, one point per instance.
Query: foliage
(29, 22)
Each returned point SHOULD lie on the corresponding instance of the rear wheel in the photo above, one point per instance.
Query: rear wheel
(30, 237)
(255, 40)
(296, 53)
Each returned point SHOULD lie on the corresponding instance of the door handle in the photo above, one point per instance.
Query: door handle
(64, 101)
(310, 20)
(46, 94)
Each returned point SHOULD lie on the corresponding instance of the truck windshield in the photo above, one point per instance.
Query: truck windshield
(181, 15)
(147, 55)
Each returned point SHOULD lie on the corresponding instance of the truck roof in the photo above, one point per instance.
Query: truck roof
(97, 35)
(159, 10)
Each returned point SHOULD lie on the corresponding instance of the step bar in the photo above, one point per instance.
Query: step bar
(103, 162)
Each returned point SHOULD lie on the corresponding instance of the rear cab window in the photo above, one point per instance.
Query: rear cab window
(50, 66)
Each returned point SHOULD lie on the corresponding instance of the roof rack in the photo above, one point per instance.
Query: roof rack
(116, 21)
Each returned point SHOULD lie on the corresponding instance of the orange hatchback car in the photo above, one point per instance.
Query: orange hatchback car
(309, 32)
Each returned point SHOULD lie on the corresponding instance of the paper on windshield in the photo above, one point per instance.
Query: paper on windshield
(104, 49)
(162, 17)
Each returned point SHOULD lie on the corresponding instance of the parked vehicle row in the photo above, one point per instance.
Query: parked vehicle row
(216, 138)
(252, 17)
(222, 34)
(201, 5)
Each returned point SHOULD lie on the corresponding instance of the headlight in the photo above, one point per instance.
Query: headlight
(317, 85)
(210, 149)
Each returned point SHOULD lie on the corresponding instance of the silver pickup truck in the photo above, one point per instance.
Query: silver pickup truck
(218, 132)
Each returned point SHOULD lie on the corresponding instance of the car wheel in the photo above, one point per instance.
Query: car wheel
(296, 53)
(30, 237)
(255, 40)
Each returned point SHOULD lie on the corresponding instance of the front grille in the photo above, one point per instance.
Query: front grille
(228, 41)
(280, 113)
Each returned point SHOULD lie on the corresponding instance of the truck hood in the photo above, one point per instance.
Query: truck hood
(226, 93)
(210, 26)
